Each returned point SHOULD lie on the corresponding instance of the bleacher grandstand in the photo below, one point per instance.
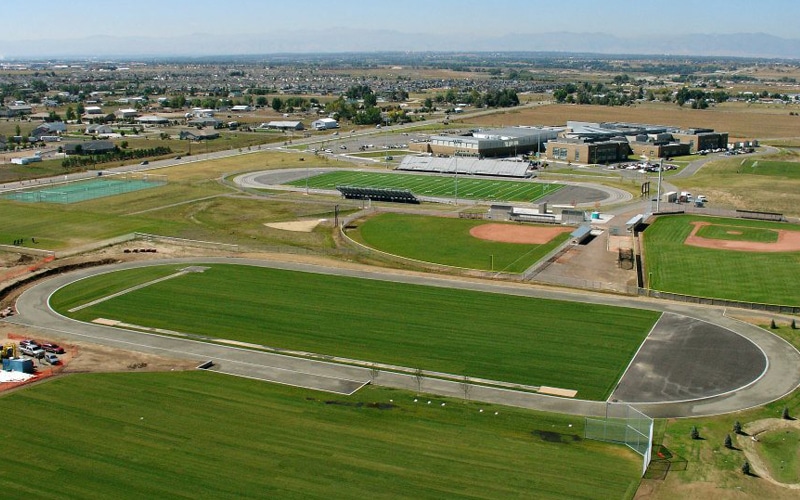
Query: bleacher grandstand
(467, 166)
(378, 194)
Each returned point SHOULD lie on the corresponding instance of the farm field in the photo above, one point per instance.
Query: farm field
(739, 120)
(177, 435)
(500, 337)
(736, 275)
(448, 241)
(465, 187)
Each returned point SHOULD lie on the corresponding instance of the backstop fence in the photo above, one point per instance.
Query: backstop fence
(626, 425)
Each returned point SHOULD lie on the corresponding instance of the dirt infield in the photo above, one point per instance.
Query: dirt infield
(509, 233)
(788, 241)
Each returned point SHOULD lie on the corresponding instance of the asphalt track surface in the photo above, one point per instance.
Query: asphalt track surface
(574, 193)
(695, 378)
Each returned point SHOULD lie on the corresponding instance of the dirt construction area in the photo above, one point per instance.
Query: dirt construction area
(84, 357)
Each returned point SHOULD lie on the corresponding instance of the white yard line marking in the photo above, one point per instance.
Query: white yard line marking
(128, 290)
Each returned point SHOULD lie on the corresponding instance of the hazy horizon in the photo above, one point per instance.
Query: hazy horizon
(206, 27)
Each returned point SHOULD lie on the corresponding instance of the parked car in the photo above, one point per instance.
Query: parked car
(32, 351)
(145, 163)
(51, 358)
(28, 342)
(54, 348)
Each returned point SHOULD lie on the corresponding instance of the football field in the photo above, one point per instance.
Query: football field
(435, 186)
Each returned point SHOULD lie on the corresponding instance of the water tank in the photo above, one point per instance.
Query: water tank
(595, 215)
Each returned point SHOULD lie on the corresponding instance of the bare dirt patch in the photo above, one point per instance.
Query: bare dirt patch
(86, 357)
(509, 233)
(301, 226)
(788, 241)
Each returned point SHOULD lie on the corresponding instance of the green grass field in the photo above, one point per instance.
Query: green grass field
(782, 454)
(447, 241)
(738, 233)
(754, 277)
(501, 337)
(776, 168)
(205, 435)
(434, 185)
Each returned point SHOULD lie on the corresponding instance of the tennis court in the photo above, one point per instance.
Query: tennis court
(74, 192)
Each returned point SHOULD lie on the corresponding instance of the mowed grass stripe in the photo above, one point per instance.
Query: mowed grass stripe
(169, 435)
(516, 339)
(469, 187)
(750, 276)
(447, 241)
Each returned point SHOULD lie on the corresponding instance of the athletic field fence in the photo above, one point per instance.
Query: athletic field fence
(626, 425)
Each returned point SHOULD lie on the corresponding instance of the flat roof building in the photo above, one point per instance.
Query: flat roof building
(508, 141)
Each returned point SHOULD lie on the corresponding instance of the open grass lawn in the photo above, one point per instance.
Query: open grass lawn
(738, 233)
(447, 241)
(205, 435)
(723, 181)
(754, 277)
(464, 187)
(500, 337)
(790, 169)
(781, 451)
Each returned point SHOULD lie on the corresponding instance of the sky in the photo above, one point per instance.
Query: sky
(60, 19)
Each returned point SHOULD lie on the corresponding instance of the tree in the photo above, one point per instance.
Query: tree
(694, 433)
(261, 101)
(737, 427)
(428, 103)
(277, 103)
(123, 144)
(370, 100)
(728, 441)
(70, 114)
(560, 95)
(17, 130)
(785, 413)
(746, 468)
(794, 324)
(773, 325)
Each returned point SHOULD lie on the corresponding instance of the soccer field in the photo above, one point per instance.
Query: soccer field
(435, 186)
(205, 435)
(508, 338)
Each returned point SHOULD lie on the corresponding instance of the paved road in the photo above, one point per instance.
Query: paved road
(781, 376)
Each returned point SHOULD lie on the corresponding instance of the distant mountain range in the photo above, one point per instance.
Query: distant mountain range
(337, 40)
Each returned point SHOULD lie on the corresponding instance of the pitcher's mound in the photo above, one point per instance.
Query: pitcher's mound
(511, 233)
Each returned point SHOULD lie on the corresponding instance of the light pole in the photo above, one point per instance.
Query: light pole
(457, 142)
(658, 188)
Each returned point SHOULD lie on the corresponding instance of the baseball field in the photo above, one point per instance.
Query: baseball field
(737, 259)
(507, 338)
(459, 242)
